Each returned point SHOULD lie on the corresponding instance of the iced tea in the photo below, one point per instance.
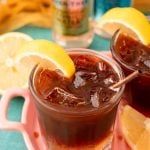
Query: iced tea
(78, 113)
(132, 55)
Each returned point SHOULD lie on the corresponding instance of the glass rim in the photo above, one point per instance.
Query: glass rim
(76, 111)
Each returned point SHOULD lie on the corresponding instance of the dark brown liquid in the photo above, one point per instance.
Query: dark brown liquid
(88, 89)
(133, 53)
(136, 55)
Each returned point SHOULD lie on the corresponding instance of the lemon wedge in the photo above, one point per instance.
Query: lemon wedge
(127, 19)
(136, 129)
(20, 53)
(47, 50)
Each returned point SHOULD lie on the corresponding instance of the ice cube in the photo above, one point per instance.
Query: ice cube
(109, 80)
(78, 81)
(147, 63)
(85, 62)
(62, 97)
(43, 81)
(105, 94)
(100, 95)
(81, 78)
(95, 100)
(102, 66)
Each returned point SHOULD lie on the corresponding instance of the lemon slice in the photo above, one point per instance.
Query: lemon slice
(48, 51)
(136, 129)
(20, 53)
(129, 20)
(9, 44)
(10, 72)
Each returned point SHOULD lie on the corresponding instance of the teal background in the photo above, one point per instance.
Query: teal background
(10, 140)
(101, 6)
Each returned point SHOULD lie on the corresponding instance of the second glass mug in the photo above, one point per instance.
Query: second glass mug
(138, 90)
(65, 129)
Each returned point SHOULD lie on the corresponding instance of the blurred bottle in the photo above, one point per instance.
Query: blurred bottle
(101, 6)
(71, 23)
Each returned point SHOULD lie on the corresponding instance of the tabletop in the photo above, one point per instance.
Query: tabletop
(11, 140)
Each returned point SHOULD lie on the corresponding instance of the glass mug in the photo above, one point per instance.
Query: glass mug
(138, 90)
(66, 129)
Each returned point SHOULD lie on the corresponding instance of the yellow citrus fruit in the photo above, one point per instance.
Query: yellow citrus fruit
(20, 53)
(48, 51)
(136, 129)
(10, 75)
(127, 19)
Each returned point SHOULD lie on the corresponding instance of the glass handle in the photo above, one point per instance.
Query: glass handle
(22, 126)
(4, 104)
